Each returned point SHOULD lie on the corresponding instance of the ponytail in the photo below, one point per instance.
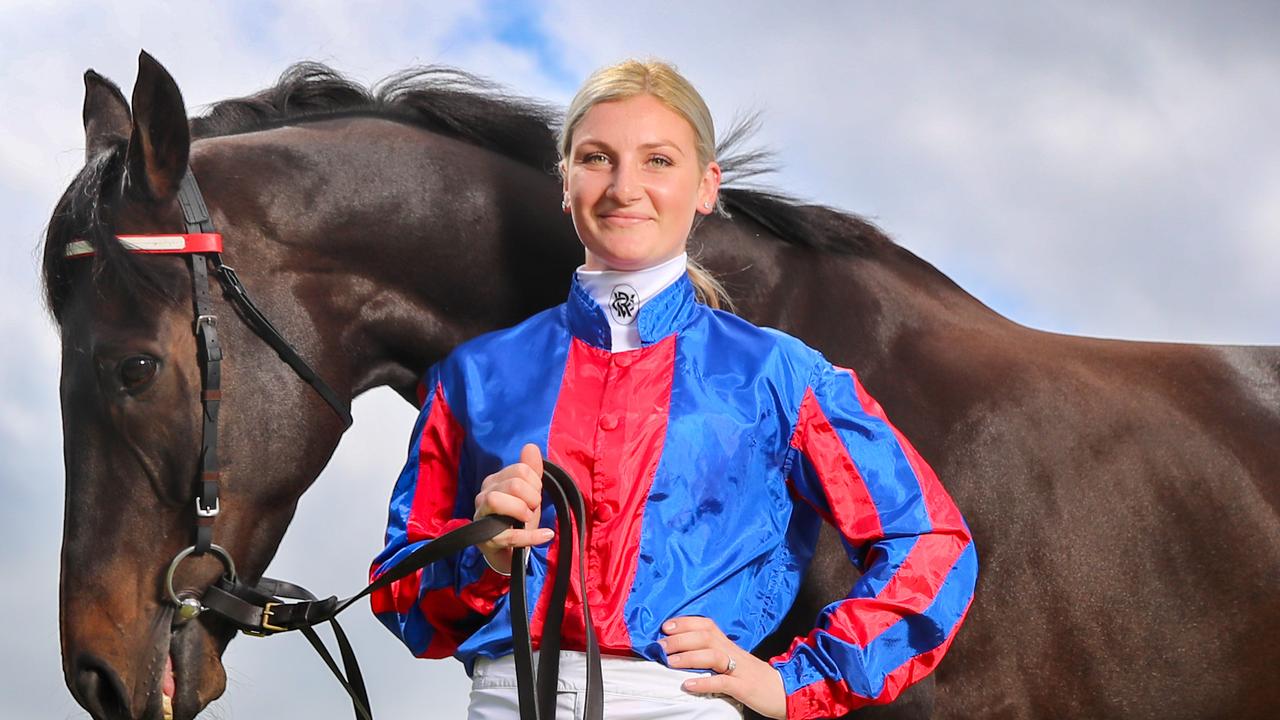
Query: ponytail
(709, 290)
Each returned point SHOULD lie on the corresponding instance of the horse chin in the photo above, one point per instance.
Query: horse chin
(193, 676)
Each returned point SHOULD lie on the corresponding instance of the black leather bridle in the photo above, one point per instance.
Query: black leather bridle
(261, 609)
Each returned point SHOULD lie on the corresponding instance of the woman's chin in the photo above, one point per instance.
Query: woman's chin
(630, 258)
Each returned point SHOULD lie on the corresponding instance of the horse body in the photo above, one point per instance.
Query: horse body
(1128, 521)
(1122, 495)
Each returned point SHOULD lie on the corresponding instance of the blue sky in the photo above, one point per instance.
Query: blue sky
(1101, 169)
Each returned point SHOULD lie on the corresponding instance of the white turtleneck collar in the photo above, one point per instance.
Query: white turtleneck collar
(621, 294)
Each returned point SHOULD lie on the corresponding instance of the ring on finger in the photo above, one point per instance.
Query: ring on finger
(729, 668)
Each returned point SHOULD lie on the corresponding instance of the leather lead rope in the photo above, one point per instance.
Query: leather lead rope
(259, 609)
(542, 703)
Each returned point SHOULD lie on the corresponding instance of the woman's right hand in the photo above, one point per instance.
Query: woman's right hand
(514, 491)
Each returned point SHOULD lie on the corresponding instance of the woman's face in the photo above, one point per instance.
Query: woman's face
(633, 183)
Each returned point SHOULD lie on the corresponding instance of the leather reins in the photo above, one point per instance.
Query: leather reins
(261, 609)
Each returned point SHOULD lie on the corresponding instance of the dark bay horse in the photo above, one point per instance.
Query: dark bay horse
(1123, 495)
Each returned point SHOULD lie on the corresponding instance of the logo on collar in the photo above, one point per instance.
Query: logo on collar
(623, 303)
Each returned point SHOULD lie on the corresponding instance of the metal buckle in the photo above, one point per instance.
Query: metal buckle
(210, 320)
(211, 512)
(266, 615)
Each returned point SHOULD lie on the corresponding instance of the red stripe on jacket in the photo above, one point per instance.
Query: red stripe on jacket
(853, 511)
(943, 513)
(832, 698)
(435, 493)
(607, 432)
(436, 484)
(914, 585)
(440, 440)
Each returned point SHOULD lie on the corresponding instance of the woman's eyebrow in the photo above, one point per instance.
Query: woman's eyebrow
(662, 144)
(602, 145)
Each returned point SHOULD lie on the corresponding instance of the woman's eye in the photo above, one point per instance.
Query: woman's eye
(660, 161)
(137, 371)
(595, 158)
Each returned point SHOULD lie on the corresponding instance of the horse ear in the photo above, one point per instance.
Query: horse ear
(160, 142)
(106, 115)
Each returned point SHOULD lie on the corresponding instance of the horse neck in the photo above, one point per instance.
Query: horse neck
(387, 244)
(858, 306)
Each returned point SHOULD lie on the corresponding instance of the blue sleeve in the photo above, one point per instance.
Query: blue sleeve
(849, 464)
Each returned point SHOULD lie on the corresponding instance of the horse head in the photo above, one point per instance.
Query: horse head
(132, 416)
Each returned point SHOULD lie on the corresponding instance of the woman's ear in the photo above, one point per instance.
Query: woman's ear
(709, 188)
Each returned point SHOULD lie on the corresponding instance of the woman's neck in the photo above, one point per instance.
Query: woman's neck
(621, 294)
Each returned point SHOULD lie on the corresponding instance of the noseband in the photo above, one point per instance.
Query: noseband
(259, 609)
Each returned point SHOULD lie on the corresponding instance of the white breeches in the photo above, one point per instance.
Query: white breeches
(634, 689)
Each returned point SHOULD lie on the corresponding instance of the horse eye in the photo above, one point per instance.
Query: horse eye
(137, 372)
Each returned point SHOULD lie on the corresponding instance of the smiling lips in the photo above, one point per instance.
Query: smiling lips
(623, 219)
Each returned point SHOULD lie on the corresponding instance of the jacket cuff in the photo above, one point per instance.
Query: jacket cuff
(481, 585)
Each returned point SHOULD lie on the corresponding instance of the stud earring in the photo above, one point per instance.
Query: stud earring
(564, 203)
(706, 205)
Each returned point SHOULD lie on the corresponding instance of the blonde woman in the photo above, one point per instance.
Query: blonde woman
(709, 450)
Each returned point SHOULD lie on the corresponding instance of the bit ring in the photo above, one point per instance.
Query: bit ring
(217, 550)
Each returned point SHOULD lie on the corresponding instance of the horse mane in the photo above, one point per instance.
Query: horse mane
(444, 100)
(440, 99)
(461, 105)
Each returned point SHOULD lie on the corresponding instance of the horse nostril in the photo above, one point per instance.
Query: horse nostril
(99, 690)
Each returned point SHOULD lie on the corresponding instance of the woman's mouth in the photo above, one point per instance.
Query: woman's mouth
(623, 220)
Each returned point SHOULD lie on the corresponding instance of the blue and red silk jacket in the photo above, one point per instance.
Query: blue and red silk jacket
(708, 458)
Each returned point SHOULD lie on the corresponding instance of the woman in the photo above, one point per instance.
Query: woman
(709, 450)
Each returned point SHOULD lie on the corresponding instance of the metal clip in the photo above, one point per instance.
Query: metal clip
(210, 512)
(210, 320)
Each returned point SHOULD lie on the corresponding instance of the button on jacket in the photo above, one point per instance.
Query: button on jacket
(708, 458)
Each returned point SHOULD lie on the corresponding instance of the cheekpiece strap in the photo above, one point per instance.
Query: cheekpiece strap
(197, 219)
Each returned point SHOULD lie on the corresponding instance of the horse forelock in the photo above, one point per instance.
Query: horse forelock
(87, 211)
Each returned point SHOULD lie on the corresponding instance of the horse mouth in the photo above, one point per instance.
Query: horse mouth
(167, 688)
(186, 668)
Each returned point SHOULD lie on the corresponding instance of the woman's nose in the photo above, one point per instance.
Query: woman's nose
(626, 187)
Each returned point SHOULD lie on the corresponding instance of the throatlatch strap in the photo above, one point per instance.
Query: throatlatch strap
(268, 332)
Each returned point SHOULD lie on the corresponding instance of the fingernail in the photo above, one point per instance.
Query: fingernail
(669, 626)
(690, 685)
(546, 534)
(663, 644)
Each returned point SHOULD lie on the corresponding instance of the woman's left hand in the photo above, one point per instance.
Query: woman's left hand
(694, 642)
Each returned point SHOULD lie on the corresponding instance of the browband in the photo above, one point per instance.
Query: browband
(155, 244)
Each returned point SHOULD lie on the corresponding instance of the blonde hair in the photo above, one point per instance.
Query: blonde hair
(630, 78)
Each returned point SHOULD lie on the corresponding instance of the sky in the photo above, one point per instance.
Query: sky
(1097, 168)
